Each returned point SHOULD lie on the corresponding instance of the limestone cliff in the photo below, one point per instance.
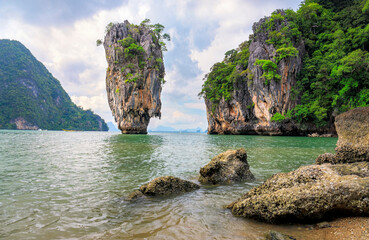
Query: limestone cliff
(134, 76)
(264, 87)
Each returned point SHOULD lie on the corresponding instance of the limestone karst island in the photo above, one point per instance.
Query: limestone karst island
(184, 119)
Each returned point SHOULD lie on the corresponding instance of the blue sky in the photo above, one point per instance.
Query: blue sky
(62, 35)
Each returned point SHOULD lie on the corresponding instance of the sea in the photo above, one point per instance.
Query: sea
(73, 185)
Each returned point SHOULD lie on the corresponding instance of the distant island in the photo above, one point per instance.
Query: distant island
(173, 130)
(31, 98)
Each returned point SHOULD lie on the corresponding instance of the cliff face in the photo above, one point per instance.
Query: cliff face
(134, 76)
(262, 91)
(31, 98)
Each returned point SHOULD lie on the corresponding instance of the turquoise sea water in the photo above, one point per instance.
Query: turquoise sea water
(70, 185)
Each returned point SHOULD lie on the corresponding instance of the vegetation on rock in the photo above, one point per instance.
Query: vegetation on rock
(224, 75)
(29, 92)
(135, 73)
(334, 76)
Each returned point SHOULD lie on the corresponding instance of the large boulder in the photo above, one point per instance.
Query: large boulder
(353, 138)
(164, 186)
(228, 167)
(353, 135)
(308, 193)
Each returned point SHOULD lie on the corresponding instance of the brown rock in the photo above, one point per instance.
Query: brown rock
(228, 167)
(308, 193)
(326, 158)
(273, 235)
(323, 225)
(164, 186)
(353, 136)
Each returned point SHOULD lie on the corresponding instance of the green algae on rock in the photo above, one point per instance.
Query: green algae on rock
(228, 167)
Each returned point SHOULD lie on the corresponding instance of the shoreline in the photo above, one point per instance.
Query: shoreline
(354, 228)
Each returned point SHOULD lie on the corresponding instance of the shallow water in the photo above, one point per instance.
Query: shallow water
(68, 185)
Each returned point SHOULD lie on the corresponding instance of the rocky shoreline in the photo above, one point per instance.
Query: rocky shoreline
(336, 186)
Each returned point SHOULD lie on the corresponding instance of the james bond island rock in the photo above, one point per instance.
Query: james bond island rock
(259, 78)
(308, 193)
(228, 167)
(353, 138)
(164, 186)
(135, 74)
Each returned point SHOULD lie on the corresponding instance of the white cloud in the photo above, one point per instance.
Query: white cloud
(235, 19)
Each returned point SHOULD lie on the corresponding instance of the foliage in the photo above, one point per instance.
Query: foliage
(334, 76)
(286, 52)
(366, 7)
(220, 81)
(277, 117)
(158, 35)
(108, 27)
(29, 91)
(98, 42)
(270, 70)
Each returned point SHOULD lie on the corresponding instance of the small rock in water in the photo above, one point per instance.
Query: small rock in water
(163, 186)
(273, 235)
(323, 225)
(228, 167)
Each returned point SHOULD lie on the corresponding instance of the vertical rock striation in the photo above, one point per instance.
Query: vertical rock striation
(134, 76)
(255, 98)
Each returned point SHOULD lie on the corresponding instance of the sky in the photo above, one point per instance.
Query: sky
(62, 35)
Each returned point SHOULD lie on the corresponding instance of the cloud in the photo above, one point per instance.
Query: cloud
(56, 12)
(62, 34)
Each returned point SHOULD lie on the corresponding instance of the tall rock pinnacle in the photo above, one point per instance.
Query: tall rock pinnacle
(134, 76)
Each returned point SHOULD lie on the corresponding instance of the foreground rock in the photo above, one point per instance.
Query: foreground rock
(228, 167)
(134, 76)
(353, 138)
(353, 135)
(164, 186)
(308, 193)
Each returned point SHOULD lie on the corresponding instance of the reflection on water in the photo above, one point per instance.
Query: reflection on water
(56, 185)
